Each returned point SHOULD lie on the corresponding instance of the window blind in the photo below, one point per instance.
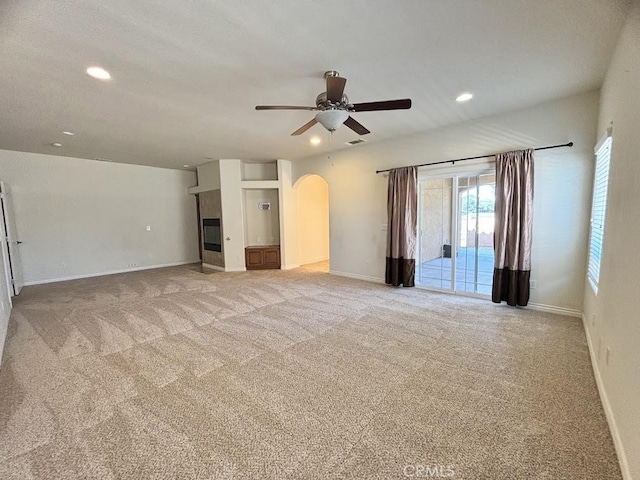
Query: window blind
(598, 210)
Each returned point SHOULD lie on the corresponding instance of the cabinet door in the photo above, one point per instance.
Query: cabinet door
(254, 258)
(272, 257)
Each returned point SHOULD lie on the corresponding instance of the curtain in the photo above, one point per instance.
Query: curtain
(512, 237)
(402, 226)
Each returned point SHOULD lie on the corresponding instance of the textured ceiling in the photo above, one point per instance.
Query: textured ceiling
(187, 74)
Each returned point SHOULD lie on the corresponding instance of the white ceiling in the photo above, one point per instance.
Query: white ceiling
(187, 74)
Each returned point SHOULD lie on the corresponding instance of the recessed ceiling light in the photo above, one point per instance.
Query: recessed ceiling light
(56, 144)
(99, 73)
(464, 97)
(185, 166)
(315, 140)
(71, 134)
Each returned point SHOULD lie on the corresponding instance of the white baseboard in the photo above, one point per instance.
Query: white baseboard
(235, 269)
(314, 260)
(110, 272)
(357, 276)
(213, 267)
(608, 411)
(570, 312)
(290, 266)
(224, 269)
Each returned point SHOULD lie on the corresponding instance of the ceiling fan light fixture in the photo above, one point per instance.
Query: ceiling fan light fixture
(332, 119)
(334, 108)
(464, 97)
(99, 73)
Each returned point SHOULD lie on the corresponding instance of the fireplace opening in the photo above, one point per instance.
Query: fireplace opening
(211, 234)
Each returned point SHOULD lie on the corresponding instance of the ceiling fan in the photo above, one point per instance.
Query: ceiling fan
(335, 109)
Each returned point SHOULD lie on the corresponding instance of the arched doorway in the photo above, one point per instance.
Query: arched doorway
(312, 195)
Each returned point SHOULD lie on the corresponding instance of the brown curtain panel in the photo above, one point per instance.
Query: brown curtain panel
(514, 219)
(402, 226)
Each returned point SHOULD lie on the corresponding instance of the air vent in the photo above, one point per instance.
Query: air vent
(103, 160)
(356, 142)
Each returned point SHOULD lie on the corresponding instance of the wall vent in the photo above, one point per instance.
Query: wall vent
(356, 142)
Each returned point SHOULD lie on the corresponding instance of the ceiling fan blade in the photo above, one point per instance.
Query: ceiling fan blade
(356, 126)
(335, 88)
(402, 104)
(305, 127)
(283, 107)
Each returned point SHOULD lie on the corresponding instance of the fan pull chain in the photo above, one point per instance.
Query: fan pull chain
(330, 157)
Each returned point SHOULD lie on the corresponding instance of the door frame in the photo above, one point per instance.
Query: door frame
(5, 257)
(454, 176)
(13, 268)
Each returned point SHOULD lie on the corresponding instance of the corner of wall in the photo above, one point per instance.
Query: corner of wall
(232, 214)
(288, 215)
(610, 316)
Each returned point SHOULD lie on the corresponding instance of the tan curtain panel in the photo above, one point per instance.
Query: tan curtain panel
(514, 220)
(402, 226)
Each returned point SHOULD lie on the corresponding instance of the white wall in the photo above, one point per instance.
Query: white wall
(612, 316)
(313, 219)
(562, 189)
(232, 214)
(288, 216)
(80, 217)
(259, 171)
(209, 176)
(261, 227)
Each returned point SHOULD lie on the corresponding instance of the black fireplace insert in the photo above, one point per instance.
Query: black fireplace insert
(211, 233)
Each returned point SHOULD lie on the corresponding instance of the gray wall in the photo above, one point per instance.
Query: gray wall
(611, 317)
(80, 217)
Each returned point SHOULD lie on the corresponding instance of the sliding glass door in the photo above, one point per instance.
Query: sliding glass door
(455, 242)
(433, 267)
(475, 218)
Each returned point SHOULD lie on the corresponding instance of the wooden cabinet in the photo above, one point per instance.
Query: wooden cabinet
(262, 257)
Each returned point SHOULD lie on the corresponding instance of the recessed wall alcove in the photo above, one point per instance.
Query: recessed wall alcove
(256, 206)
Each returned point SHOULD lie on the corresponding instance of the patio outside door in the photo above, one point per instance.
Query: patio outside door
(455, 226)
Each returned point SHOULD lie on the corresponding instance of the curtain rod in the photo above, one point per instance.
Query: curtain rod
(570, 144)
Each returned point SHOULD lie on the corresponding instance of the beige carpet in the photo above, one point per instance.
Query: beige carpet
(177, 374)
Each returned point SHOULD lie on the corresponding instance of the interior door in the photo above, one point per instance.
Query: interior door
(10, 237)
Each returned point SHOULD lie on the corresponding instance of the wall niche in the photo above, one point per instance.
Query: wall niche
(259, 171)
(261, 217)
